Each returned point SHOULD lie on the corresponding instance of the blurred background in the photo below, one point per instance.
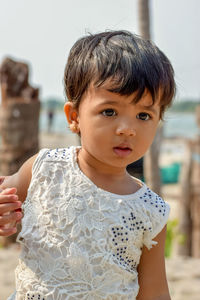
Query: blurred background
(35, 39)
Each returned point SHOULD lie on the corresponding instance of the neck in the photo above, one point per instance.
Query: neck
(88, 163)
(112, 179)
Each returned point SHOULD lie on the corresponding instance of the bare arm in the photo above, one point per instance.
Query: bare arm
(13, 191)
(151, 272)
(21, 179)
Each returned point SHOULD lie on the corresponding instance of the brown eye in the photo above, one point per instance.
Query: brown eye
(143, 116)
(109, 113)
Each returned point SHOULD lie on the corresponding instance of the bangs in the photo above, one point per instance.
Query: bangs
(132, 71)
(122, 63)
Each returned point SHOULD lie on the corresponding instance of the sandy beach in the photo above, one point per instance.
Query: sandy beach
(183, 273)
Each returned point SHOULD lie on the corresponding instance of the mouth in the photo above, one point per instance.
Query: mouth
(122, 151)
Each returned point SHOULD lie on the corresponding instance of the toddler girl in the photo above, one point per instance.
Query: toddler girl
(90, 230)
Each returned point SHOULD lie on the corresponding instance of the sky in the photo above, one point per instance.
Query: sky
(41, 32)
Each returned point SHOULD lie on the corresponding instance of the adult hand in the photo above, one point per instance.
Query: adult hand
(10, 211)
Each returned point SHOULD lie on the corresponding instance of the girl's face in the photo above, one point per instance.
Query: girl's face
(114, 130)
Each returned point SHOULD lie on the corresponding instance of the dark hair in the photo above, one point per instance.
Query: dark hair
(126, 61)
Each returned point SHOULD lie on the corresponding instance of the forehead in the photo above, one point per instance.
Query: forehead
(101, 95)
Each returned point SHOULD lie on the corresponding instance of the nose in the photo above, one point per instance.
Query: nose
(126, 128)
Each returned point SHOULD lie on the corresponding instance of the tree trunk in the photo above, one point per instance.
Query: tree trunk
(144, 19)
(151, 163)
(151, 159)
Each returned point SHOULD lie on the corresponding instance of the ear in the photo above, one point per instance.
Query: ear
(72, 116)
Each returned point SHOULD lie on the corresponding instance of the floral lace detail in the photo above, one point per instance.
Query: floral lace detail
(79, 241)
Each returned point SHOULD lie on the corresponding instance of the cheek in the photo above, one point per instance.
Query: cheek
(89, 134)
(145, 139)
(145, 144)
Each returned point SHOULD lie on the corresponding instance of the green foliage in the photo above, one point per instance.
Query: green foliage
(172, 236)
(53, 104)
(184, 106)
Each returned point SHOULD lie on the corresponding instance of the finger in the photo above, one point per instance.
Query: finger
(7, 231)
(20, 210)
(9, 191)
(11, 218)
(8, 207)
(8, 198)
(2, 178)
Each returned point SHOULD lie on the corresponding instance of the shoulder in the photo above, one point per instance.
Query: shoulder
(52, 155)
(30, 169)
(157, 211)
(58, 153)
(21, 179)
(49, 161)
(154, 203)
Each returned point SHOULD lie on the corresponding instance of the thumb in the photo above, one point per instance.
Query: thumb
(2, 178)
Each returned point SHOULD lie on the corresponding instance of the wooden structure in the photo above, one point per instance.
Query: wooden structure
(195, 191)
(19, 134)
(19, 118)
(189, 212)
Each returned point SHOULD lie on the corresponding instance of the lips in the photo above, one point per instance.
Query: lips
(122, 150)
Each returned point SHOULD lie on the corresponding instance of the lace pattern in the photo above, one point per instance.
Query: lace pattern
(79, 241)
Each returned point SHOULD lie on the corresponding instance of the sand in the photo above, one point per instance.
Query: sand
(183, 273)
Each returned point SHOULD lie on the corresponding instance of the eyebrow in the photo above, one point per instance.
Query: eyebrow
(107, 102)
(146, 107)
(151, 108)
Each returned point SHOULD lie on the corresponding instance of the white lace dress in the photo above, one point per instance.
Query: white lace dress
(79, 241)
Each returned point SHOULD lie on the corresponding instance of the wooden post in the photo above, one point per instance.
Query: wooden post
(151, 163)
(19, 134)
(19, 119)
(151, 159)
(189, 209)
(195, 191)
(3, 93)
(184, 213)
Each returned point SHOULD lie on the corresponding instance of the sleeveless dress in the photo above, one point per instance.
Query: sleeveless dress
(79, 241)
